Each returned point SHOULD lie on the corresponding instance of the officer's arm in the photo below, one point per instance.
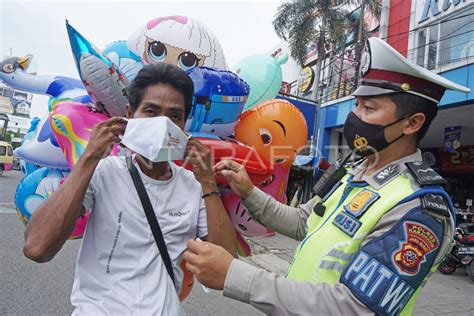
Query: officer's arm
(284, 219)
(369, 283)
(276, 295)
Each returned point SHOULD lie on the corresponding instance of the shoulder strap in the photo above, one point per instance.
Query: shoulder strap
(424, 174)
(151, 217)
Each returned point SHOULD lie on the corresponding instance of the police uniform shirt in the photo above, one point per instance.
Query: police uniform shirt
(277, 295)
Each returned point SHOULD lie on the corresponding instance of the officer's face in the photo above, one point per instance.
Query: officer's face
(379, 110)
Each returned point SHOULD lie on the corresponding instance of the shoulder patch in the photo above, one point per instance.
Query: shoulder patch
(418, 242)
(436, 204)
(424, 174)
(386, 271)
(386, 174)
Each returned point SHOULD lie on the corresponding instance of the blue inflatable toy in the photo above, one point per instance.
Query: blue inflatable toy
(219, 97)
(34, 188)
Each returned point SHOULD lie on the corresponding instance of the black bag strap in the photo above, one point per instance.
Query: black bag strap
(151, 217)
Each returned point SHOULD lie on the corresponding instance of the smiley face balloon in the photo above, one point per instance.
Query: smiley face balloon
(276, 129)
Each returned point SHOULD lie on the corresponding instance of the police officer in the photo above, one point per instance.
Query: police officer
(371, 236)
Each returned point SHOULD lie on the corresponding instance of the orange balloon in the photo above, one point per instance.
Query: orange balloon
(188, 281)
(276, 129)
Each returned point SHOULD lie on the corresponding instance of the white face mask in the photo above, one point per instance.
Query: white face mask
(155, 138)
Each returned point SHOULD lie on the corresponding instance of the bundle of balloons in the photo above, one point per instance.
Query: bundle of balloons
(235, 113)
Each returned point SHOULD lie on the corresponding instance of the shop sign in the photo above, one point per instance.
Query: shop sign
(452, 138)
(461, 160)
(305, 80)
(434, 8)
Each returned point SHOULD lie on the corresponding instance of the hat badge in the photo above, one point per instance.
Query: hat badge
(365, 60)
(405, 86)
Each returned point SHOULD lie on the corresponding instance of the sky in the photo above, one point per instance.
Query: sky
(38, 27)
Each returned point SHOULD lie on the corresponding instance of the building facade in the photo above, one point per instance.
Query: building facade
(437, 35)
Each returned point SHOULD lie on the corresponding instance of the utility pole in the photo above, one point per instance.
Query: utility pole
(359, 45)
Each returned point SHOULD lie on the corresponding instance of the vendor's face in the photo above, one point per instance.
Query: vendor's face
(379, 110)
(161, 100)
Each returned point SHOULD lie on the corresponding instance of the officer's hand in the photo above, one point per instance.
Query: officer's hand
(236, 175)
(103, 136)
(208, 262)
(199, 157)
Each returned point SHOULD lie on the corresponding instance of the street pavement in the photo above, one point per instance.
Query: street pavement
(28, 288)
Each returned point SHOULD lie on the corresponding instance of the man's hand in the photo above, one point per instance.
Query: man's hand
(236, 175)
(103, 136)
(208, 262)
(199, 156)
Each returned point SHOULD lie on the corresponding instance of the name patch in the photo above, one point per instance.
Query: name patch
(347, 223)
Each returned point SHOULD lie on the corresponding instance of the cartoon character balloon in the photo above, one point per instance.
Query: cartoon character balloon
(36, 187)
(263, 75)
(276, 129)
(177, 40)
(41, 148)
(242, 219)
(13, 72)
(219, 97)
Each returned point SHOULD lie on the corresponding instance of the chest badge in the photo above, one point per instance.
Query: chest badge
(361, 202)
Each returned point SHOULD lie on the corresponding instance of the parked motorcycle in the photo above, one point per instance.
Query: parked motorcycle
(462, 254)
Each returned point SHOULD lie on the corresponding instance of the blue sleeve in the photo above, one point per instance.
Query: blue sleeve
(386, 271)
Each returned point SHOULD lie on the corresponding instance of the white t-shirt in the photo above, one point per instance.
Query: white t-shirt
(119, 270)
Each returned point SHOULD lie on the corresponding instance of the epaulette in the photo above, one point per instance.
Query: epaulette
(436, 204)
(424, 174)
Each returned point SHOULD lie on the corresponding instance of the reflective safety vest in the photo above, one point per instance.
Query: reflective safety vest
(333, 239)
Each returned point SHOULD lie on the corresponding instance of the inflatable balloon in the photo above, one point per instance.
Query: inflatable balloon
(13, 72)
(258, 168)
(243, 248)
(276, 184)
(126, 61)
(188, 281)
(177, 40)
(263, 74)
(103, 81)
(276, 129)
(36, 187)
(242, 219)
(219, 97)
(72, 123)
(42, 148)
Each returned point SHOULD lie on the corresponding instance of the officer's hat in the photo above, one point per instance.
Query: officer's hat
(384, 70)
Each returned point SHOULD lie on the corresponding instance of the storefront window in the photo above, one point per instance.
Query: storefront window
(420, 54)
(457, 37)
(449, 40)
(433, 47)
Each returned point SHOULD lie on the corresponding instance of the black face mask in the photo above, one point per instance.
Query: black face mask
(365, 138)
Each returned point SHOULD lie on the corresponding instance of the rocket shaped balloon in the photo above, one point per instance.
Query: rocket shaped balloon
(103, 80)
